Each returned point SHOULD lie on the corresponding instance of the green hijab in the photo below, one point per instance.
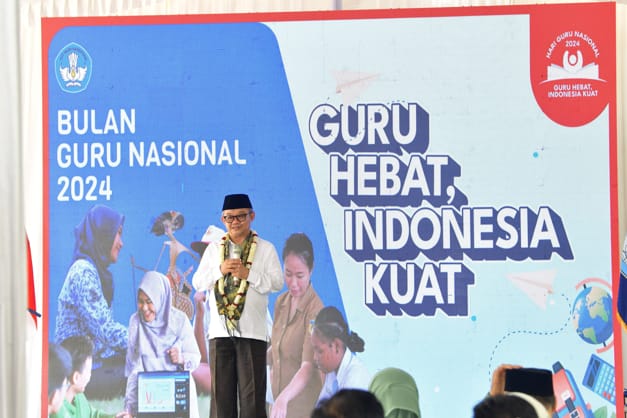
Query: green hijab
(397, 392)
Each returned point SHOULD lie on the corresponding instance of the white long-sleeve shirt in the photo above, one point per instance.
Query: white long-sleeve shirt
(265, 276)
(352, 374)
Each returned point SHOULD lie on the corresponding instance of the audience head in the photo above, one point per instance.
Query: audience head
(298, 262)
(397, 392)
(510, 405)
(349, 403)
(81, 349)
(330, 337)
(59, 368)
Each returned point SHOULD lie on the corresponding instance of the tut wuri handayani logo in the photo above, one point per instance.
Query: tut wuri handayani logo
(73, 68)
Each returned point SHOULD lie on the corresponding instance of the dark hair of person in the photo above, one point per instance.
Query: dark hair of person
(80, 348)
(349, 403)
(300, 245)
(548, 401)
(504, 406)
(330, 324)
(59, 367)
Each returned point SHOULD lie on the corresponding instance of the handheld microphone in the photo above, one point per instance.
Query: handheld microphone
(236, 253)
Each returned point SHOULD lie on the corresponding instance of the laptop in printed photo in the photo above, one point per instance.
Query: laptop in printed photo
(163, 394)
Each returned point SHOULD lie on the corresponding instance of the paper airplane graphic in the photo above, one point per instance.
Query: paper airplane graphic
(352, 84)
(537, 285)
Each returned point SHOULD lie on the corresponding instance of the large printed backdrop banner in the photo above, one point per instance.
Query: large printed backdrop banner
(452, 167)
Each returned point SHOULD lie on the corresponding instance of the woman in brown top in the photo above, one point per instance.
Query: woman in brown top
(296, 383)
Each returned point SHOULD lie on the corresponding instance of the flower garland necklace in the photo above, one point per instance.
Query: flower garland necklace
(231, 295)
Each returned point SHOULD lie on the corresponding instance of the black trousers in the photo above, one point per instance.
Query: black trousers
(238, 369)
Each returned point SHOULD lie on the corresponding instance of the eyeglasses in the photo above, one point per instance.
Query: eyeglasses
(240, 218)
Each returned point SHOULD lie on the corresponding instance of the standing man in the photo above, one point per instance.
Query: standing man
(239, 272)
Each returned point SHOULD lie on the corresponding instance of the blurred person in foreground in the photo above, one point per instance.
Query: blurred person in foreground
(510, 405)
(535, 382)
(349, 403)
(397, 392)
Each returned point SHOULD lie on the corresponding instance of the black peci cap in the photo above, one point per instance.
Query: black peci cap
(236, 201)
